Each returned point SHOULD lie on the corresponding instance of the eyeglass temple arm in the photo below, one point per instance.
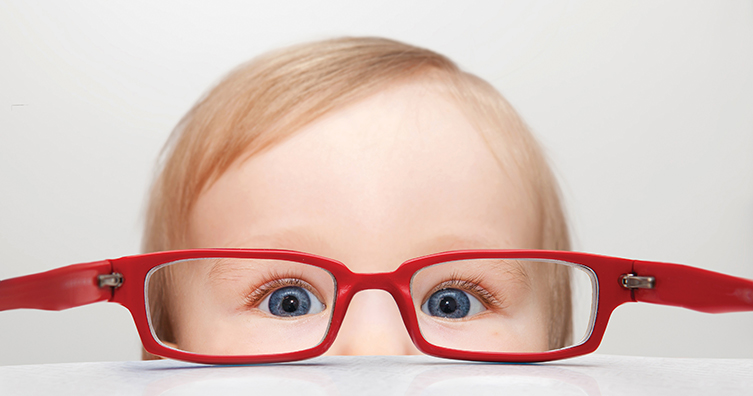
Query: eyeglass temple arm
(57, 289)
(693, 288)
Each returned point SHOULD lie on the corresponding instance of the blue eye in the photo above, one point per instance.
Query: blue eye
(451, 303)
(291, 301)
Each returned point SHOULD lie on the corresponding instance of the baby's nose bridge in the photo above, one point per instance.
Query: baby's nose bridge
(373, 325)
(376, 306)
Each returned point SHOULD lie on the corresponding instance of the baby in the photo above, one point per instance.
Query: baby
(367, 151)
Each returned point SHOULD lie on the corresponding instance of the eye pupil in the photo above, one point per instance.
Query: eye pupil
(448, 304)
(290, 304)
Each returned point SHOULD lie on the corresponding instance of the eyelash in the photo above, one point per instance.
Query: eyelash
(470, 286)
(258, 293)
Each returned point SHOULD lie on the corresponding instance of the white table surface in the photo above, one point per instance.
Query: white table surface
(389, 375)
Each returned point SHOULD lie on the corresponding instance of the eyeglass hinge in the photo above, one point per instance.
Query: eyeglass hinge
(113, 280)
(633, 281)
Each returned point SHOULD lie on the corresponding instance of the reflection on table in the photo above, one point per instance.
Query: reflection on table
(389, 375)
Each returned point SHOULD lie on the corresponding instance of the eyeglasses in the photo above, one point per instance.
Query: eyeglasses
(235, 306)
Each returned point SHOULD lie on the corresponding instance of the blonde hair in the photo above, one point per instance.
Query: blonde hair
(271, 97)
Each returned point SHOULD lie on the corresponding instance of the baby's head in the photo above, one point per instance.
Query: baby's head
(367, 151)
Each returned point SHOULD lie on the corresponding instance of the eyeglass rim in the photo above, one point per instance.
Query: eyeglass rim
(137, 267)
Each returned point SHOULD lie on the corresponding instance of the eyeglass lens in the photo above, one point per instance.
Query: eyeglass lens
(232, 306)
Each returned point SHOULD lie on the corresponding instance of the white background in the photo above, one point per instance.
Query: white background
(644, 107)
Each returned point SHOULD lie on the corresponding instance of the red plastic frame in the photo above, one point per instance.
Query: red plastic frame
(675, 285)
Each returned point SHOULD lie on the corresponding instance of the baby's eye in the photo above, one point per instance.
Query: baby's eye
(452, 303)
(291, 301)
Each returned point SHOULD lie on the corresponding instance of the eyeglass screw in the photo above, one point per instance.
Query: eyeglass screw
(113, 280)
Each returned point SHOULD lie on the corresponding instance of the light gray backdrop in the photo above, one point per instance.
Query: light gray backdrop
(645, 108)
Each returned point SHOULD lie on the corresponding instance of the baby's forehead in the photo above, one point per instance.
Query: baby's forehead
(398, 168)
(397, 123)
(398, 139)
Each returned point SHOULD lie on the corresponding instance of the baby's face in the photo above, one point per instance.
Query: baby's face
(398, 175)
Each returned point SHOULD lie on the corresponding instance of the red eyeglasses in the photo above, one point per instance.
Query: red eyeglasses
(235, 306)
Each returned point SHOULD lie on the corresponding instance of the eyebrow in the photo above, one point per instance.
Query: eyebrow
(518, 271)
(294, 238)
(447, 242)
(298, 238)
(224, 271)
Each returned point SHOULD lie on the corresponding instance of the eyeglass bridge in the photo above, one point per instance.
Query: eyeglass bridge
(633, 281)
